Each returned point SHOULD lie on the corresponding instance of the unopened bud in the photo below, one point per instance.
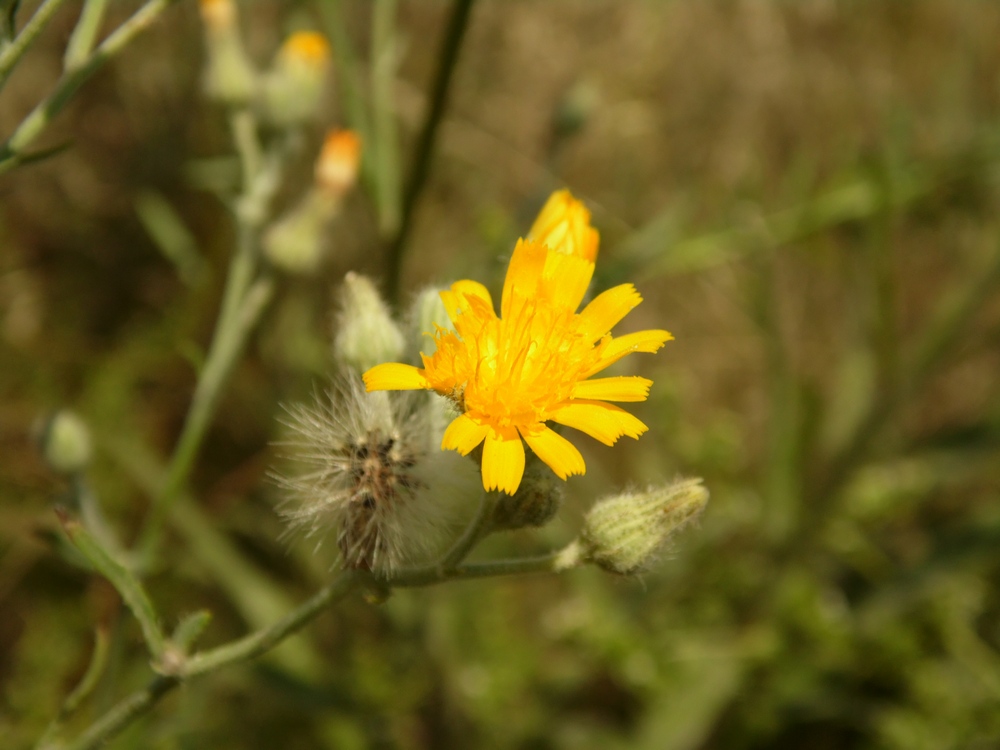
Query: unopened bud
(622, 534)
(65, 442)
(366, 333)
(428, 315)
(296, 242)
(293, 88)
(564, 225)
(229, 76)
(337, 166)
(536, 502)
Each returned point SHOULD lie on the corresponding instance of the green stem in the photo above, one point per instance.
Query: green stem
(12, 53)
(252, 646)
(478, 528)
(457, 25)
(227, 344)
(13, 151)
(81, 42)
(119, 717)
(386, 146)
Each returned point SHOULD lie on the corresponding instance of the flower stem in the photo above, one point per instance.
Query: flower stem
(255, 644)
(478, 528)
(457, 25)
(12, 53)
(12, 153)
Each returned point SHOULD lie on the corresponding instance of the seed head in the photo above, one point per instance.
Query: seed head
(365, 476)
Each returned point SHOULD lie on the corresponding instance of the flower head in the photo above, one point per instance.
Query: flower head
(532, 364)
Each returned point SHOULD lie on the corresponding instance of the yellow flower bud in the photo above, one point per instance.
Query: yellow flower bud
(293, 88)
(622, 534)
(564, 225)
(337, 166)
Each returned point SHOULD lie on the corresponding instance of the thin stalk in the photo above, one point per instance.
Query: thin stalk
(81, 42)
(478, 528)
(447, 60)
(386, 146)
(12, 53)
(227, 344)
(255, 644)
(12, 153)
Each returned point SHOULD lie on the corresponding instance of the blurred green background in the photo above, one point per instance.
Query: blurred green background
(806, 195)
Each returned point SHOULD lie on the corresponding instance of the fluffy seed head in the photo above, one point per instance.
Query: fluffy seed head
(364, 462)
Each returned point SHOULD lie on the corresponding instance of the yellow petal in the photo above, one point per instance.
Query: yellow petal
(503, 462)
(463, 434)
(473, 289)
(523, 273)
(604, 422)
(564, 225)
(621, 346)
(608, 308)
(566, 278)
(555, 450)
(621, 388)
(393, 376)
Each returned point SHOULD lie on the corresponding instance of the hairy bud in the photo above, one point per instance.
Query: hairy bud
(622, 534)
(229, 76)
(536, 502)
(366, 333)
(293, 87)
(65, 443)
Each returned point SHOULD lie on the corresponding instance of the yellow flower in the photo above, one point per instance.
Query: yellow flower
(564, 225)
(533, 364)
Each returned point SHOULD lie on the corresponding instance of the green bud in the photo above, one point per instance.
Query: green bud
(295, 243)
(536, 502)
(66, 444)
(366, 333)
(427, 314)
(293, 87)
(230, 77)
(622, 534)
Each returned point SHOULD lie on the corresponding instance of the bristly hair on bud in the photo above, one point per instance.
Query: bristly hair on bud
(369, 478)
(624, 533)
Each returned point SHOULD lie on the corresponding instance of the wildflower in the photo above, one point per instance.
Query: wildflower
(564, 225)
(510, 374)
(367, 467)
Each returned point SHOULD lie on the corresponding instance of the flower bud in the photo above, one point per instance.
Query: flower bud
(427, 315)
(337, 166)
(295, 243)
(622, 534)
(66, 444)
(293, 87)
(564, 225)
(536, 502)
(366, 333)
(229, 76)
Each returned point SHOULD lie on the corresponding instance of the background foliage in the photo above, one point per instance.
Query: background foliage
(806, 195)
